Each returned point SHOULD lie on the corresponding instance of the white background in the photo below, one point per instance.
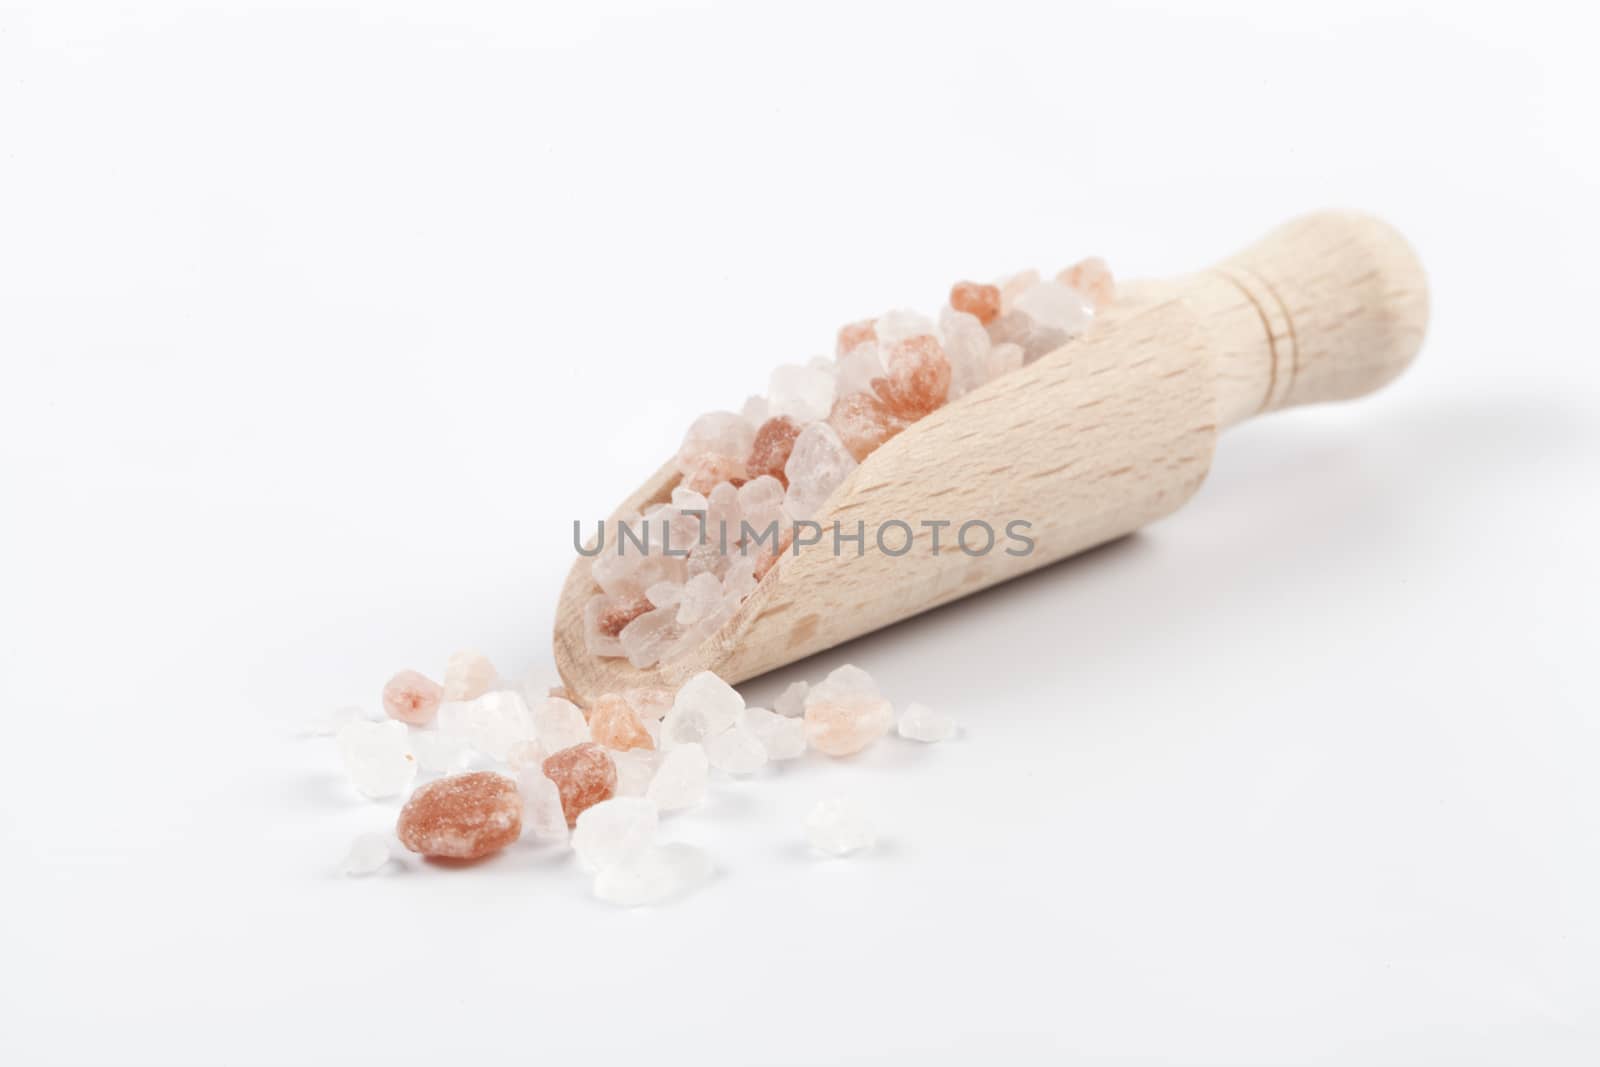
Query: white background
(319, 323)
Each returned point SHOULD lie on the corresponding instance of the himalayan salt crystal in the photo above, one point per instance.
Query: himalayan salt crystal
(614, 724)
(468, 675)
(680, 780)
(613, 831)
(1013, 286)
(686, 499)
(845, 714)
(559, 724)
(837, 828)
(704, 475)
(542, 815)
(780, 736)
(368, 854)
(802, 392)
(598, 644)
(1035, 339)
(1092, 278)
(585, 775)
(529, 753)
(648, 638)
(966, 346)
(918, 378)
(464, 817)
(439, 752)
(921, 723)
(895, 326)
(1003, 359)
(863, 422)
(664, 594)
(657, 874)
(636, 768)
(736, 751)
(538, 683)
(718, 433)
(704, 706)
(980, 301)
(1056, 307)
(701, 595)
(619, 613)
(740, 581)
(761, 509)
(792, 702)
(755, 410)
(490, 724)
(377, 756)
(412, 698)
(857, 368)
(774, 442)
(853, 335)
(816, 467)
(722, 516)
(651, 702)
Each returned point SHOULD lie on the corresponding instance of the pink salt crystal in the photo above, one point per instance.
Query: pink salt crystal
(1092, 278)
(1014, 286)
(918, 379)
(462, 817)
(585, 775)
(774, 441)
(614, 724)
(863, 422)
(845, 727)
(412, 697)
(854, 334)
(598, 643)
(709, 470)
(619, 613)
(650, 702)
(467, 676)
(982, 301)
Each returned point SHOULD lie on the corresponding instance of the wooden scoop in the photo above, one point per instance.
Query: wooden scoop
(1086, 444)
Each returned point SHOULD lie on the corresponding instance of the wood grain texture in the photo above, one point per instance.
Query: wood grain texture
(1085, 445)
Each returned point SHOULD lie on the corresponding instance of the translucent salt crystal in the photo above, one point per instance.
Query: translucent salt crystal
(802, 393)
(704, 706)
(645, 640)
(755, 410)
(368, 854)
(613, 831)
(329, 723)
(780, 736)
(863, 422)
(857, 369)
(377, 756)
(529, 753)
(1013, 286)
(1055, 306)
(614, 724)
(468, 675)
(966, 345)
(538, 683)
(585, 775)
(982, 302)
(921, 723)
(664, 594)
(1092, 278)
(701, 595)
(853, 336)
(542, 815)
(1003, 359)
(594, 638)
(490, 724)
(438, 752)
(653, 876)
(686, 499)
(651, 702)
(1035, 339)
(620, 611)
(893, 327)
(844, 713)
(680, 780)
(816, 467)
(736, 751)
(760, 507)
(704, 475)
(918, 377)
(722, 517)
(636, 768)
(792, 703)
(463, 817)
(718, 433)
(559, 724)
(837, 828)
(412, 698)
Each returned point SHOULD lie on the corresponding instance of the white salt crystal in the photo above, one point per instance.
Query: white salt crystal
(782, 737)
(680, 781)
(705, 706)
(613, 831)
(468, 675)
(653, 876)
(718, 433)
(1013, 286)
(686, 499)
(649, 701)
(803, 393)
(377, 756)
(755, 410)
(816, 467)
(857, 368)
(701, 595)
(664, 594)
(760, 506)
(1056, 307)
(646, 639)
(439, 752)
(542, 815)
(843, 685)
(538, 682)
(559, 724)
(491, 724)
(966, 344)
(736, 751)
(529, 753)
(635, 767)
(740, 581)
(368, 853)
(792, 704)
(921, 723)
(722, 516)
(901, 325)
(837, 828)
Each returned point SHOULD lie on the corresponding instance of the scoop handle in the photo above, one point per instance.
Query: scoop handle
(1329, 306)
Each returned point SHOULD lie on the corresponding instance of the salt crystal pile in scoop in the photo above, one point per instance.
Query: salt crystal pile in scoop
(685, 565)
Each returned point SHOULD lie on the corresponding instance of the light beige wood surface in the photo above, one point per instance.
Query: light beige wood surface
(1087, 444)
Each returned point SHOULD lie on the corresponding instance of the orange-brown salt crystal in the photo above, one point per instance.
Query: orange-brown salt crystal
(1092, 278)
(615, 618)
(412, 697)
(712, 469)
(854, 334)
(918, 381)
(585, 776)
(614, 724)
(863, 422)
(462, 817)
(976, 299)
(774, 442)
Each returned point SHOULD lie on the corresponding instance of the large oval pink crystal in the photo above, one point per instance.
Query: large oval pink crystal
(463, 817)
